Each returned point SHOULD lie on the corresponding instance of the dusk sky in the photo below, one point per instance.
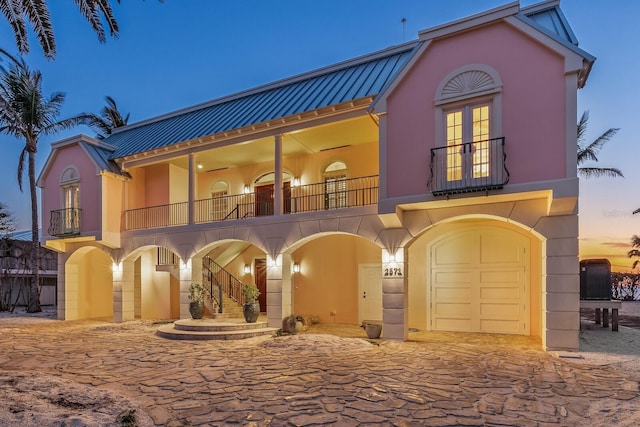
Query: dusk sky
(179, 53)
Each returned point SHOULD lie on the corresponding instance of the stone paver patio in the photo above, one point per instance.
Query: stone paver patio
(310, 379)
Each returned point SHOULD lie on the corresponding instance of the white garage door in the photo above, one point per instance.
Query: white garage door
(478, 281)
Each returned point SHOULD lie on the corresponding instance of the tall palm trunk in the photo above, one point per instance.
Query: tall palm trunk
(34, 289)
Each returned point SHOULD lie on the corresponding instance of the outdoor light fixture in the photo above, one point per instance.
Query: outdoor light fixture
(247, 269)
(296, 267)
(199, 165)
(295, 182)
(247, 190)
(116, 267)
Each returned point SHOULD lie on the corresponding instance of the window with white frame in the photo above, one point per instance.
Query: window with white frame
(335, 185)
(219, 203)
(468, 115)
(70, 189)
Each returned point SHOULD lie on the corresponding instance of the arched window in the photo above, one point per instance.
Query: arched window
(468, 116)
(70, 193)
(335, 185)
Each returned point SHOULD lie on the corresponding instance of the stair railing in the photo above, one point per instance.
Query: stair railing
(225, 282)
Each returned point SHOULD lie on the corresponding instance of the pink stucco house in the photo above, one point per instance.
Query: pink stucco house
(429, 185)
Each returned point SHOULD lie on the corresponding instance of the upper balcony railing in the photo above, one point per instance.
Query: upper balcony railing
(472, 166)
(332, 194)
(65, 222)
(335, 193)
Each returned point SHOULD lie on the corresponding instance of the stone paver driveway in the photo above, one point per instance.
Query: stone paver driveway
(309, 379)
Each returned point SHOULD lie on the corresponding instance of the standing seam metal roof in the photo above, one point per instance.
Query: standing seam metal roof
(360, 78)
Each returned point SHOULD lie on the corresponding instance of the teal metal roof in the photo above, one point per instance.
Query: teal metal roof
(340, 83)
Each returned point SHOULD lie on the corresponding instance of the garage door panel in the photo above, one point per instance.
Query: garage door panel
(454, 310)
(451, 293)
(453, 277)
(458, 325)
(478, 281)
(499, 248)
(500, 293)
(505, 276)
(500, 326)
(500, 310)
(456, 251)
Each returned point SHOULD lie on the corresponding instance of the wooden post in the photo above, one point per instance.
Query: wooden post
(605, 317)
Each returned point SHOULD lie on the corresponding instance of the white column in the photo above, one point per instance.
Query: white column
(123, 296)
(279, 301)
(277, 191)
(394, 296)
(186, 278)
(192, 187)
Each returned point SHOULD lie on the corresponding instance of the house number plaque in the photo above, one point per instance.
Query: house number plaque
(392, 271)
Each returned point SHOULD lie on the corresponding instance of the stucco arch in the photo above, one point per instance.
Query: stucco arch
(417, 256)
(88, 284)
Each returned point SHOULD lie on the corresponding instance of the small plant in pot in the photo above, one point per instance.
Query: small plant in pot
(251, 307)
(196, 300)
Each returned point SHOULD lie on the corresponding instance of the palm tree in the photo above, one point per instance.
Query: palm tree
(589, 152)
(36, 12)
(635, 252)
(109, 119)
(26, 114)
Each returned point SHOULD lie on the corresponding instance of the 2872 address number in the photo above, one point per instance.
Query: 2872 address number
(389, 272)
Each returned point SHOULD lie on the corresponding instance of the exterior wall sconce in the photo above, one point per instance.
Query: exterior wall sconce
(296, 267)
(199, 165)
(247, 190)
(295, 182)
(185, 265)
(247, 269)
(116, 267)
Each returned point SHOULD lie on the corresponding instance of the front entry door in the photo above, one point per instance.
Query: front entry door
(370, 292)
(261, 282)
(264, 200)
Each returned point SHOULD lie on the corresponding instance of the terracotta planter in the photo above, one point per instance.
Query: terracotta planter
(251, 311)
(196, 309)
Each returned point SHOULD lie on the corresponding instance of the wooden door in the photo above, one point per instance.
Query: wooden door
(264, 200)
(261, 282)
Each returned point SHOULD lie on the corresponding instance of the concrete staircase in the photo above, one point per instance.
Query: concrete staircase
(214, 329)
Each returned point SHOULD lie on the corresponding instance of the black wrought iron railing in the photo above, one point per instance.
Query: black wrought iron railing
(167, 257)
(333, 194)
(157, 216)
(221, 282)
(65, 222)
(472, 166)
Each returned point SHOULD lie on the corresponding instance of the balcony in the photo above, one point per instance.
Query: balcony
(65, 222)
(328, 195)
(468, 167)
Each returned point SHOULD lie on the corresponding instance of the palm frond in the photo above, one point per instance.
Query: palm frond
(590, 152)
(12, 11)
(593, 172)
(37, 12)
(21, 161)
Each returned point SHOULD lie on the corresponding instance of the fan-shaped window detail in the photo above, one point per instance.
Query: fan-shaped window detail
(69, 175)
(468, 81)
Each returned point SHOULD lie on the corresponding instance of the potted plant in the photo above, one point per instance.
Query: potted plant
(251, 307)
(196, 300)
